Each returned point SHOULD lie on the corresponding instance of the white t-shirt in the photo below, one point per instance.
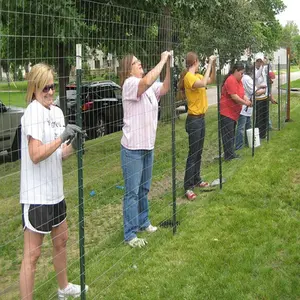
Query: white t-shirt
(41, 183)
(261, 79)
(248, 87)
(140, 115)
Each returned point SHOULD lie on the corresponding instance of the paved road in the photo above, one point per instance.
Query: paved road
(212, 91)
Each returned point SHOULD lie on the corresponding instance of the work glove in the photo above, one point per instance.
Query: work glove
(69, 132)
(74, 140)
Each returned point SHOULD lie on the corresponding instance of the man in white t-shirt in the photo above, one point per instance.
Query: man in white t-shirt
(262, 105)
(244, 122)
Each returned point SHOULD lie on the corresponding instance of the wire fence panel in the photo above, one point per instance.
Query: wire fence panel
(46, 31)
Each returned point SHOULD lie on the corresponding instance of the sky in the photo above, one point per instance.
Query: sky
(291, 12)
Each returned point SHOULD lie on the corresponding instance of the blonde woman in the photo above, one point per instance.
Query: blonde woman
(44, 146)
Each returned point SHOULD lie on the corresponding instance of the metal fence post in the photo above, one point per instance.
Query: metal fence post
(173, 142)
(288, 85)
(269, 87)
(219, 117)
(254, 109)
(279, 94)
(80, 170)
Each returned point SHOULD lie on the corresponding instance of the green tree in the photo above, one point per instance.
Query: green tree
(289, 31)
(35, 31)
(296, 50)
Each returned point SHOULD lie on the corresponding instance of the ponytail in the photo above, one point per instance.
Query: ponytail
(181, 90)
(181, 80)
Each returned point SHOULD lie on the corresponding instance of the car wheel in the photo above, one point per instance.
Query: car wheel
(15, 151)
(100, 128)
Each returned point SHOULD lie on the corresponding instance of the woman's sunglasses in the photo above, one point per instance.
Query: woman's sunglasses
(49, 87)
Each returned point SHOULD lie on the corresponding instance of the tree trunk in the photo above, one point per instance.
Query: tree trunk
(165, 40)
(63, 78)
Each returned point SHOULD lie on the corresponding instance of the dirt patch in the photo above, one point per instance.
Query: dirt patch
(296, 178)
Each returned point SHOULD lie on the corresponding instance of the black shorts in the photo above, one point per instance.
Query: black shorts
(42, 218)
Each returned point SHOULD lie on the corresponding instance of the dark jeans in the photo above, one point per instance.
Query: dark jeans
(195, 127)
(228, 133)
(262, 117)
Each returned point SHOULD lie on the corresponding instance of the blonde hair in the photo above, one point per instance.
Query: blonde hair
(125, 68)
(38, 77)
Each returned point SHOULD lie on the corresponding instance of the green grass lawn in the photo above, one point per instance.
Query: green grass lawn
(13, 98)
(294, 84)
(238, 243)
(295, 69)
(13, 86)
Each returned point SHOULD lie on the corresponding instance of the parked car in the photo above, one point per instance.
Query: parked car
(10, 130)
(102, 111)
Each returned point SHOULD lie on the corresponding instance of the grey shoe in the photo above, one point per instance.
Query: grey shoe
(137, 242)
(71, 290)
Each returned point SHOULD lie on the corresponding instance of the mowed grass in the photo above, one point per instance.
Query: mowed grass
(238, 243)
(295, 83)
(15, 98)
(295, 69)
(13, 86)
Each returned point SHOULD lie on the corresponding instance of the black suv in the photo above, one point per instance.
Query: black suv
(10, 130)
(102, 110)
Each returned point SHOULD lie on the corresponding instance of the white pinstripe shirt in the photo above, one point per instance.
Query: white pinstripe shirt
(140, 115)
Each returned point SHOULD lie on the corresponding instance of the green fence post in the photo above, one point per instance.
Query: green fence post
(269, 87)
(219, 117)
(288, 86)
(173, 143)
(279, 94)
(80, 170)
(254, 109)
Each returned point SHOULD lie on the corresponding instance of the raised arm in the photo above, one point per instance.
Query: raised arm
(206, 79)
(167, 81)
(151, 76)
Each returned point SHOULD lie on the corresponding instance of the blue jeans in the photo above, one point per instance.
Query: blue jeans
(137, 172)
(244, 123)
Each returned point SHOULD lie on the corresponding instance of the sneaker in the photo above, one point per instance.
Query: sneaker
(235, 156)
(71, 290)
(137, 242)
(202, 184)
(151, 229)
(217, 157)
(190, 195)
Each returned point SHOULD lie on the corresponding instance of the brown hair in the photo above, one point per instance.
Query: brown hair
(125, 68)
(190, 59)
(238, 66)
(38, 77)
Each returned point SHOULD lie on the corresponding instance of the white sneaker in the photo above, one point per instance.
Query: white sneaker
(71, 290)
(137, 242)
(151, 229)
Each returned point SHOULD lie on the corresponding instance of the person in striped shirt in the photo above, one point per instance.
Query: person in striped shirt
(140, 96)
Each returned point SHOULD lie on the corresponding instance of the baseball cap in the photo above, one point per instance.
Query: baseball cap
(272, 75)
(259, 55)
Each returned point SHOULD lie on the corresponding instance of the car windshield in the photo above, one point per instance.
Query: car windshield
(118, 93)
(102, 92)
